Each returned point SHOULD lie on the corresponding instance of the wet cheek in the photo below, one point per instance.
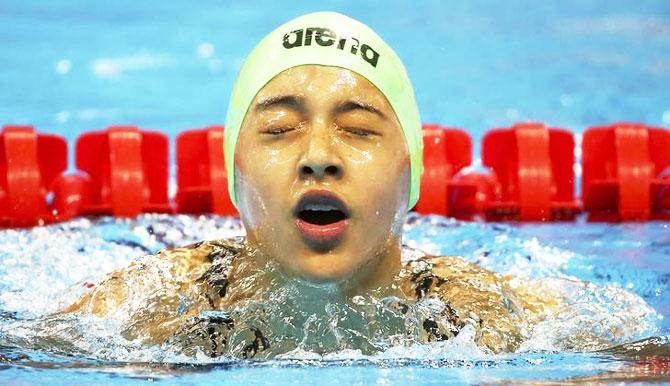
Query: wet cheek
(264, 176)
(252, 207)
(263, 217)
(382, 193)
(380, 172)
(357, 156)
(269, 161)
(277, 160)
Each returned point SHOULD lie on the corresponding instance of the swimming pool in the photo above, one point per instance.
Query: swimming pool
(39, 264)
(78, 66)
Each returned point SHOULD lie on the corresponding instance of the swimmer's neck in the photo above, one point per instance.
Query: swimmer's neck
(377, 276)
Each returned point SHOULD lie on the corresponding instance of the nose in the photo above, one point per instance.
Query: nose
(320, 160)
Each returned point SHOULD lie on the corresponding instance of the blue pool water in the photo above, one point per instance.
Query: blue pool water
(69, 67)
(40, 263)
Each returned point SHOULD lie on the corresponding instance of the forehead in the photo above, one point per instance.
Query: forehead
(324, 83)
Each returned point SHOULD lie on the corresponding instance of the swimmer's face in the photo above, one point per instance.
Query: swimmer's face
(322, 175)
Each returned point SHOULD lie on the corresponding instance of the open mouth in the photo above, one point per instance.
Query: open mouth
(321, 215)
(321, 208)
(321, 218)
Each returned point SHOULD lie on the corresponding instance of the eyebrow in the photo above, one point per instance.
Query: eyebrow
(291, 101)
(352, 105)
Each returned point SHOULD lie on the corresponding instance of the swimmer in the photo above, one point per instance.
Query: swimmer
(323, 151)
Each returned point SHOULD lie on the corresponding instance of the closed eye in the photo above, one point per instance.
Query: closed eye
(359, 132)
(278, 130)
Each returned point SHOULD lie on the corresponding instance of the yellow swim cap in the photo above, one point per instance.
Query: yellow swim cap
(330, 39)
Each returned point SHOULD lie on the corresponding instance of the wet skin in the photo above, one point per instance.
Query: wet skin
(324, 128)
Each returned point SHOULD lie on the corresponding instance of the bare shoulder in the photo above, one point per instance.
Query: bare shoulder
(434, 274)
(475, 295)
(175, 269)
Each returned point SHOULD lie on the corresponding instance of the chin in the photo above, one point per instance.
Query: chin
(320, 276)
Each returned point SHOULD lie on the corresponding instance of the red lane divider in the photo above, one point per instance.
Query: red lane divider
(70, 194)
(446, 151)
(447, 186)
(626, 172)
(29, 164)
(127, 170)
(533, 166)
(123, 171)
(201, 173)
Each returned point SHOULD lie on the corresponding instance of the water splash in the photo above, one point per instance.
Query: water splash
(40, 263)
